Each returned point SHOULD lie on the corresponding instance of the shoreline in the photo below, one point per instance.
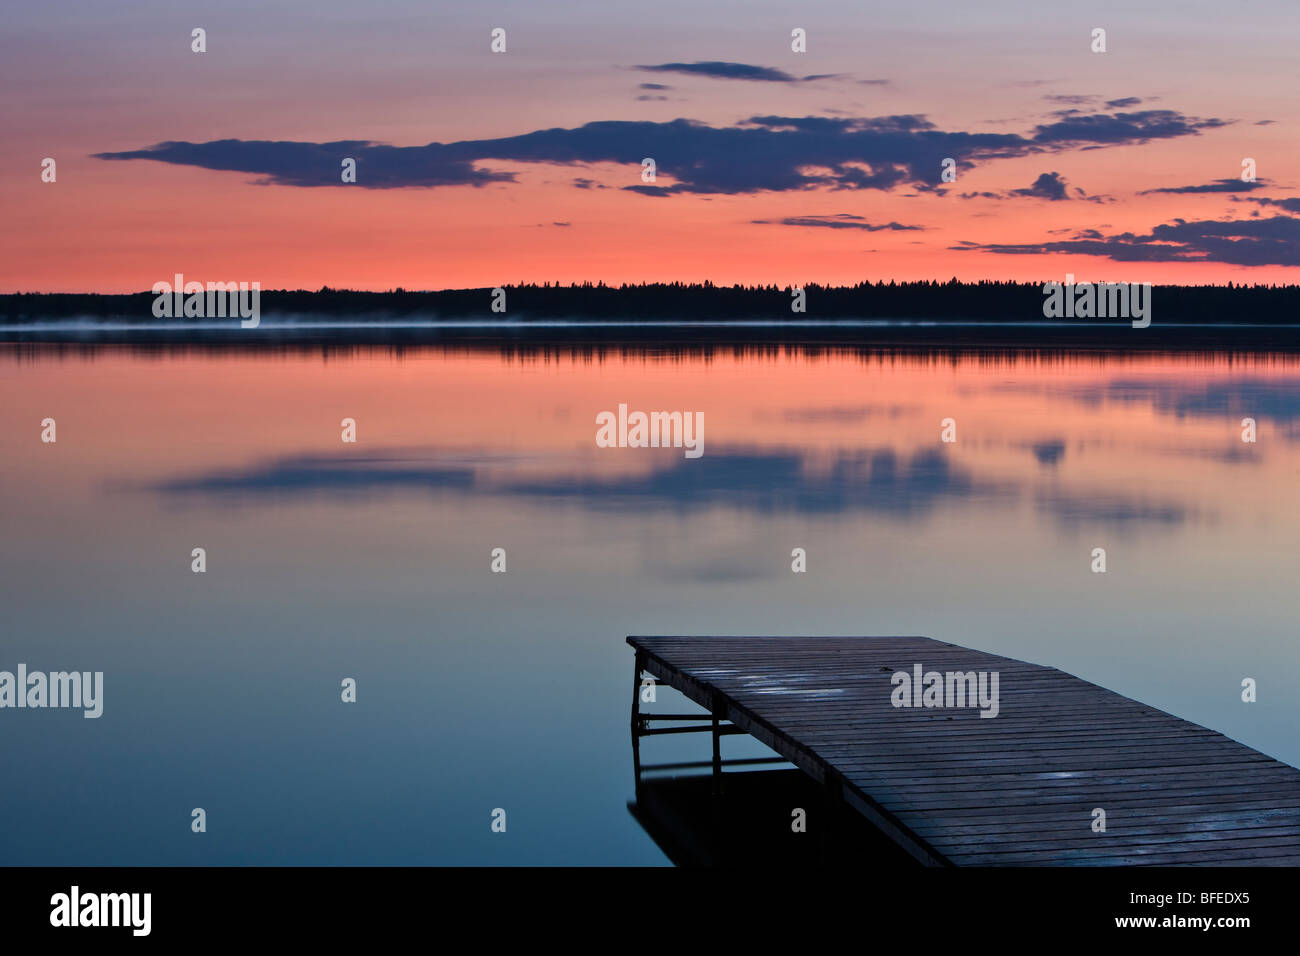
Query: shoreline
(909, 334)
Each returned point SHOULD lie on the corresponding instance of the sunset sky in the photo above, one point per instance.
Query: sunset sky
(480, 169)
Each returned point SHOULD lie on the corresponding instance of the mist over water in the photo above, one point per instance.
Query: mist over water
(477, 690)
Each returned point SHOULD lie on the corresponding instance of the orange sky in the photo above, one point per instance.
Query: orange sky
(124, 79)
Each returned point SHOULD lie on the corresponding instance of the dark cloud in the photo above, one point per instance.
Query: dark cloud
(1271, 241)
(320, 164)
(842, 220)
(661, 192)
(654, 86)
(1073, 99)
(1103, 128)
(1050, 186)
(720, 70)
(763, 153)
(1046, 186)
(1218, 186)
(1290, 205)
(1123, 103)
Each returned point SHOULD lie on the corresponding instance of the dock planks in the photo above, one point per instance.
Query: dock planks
(1018, 789)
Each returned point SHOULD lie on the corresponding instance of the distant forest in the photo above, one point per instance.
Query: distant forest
(927, 300)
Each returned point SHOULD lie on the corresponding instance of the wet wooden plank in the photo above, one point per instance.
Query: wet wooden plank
(1020, 788)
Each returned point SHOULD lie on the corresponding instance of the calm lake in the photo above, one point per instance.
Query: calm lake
(479, 690)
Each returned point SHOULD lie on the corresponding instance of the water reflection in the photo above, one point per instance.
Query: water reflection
(748, 824)
(583, 348)
(1275, 399)
(882, 480)
(371, 560)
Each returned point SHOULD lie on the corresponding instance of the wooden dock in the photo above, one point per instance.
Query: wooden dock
(957, 789)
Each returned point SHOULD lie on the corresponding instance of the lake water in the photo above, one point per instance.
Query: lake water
(478, 690)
